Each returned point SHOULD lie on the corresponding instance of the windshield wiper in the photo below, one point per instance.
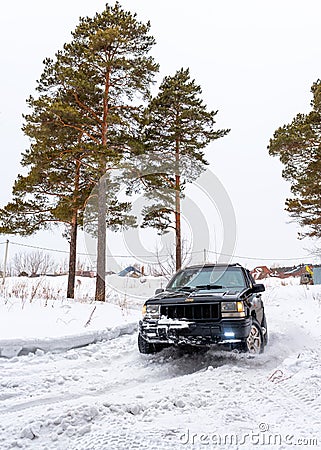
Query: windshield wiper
(187, 288)
(202, 286)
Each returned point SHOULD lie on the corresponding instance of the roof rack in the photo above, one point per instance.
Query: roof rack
(208, 264)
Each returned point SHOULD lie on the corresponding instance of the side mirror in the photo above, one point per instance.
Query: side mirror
(257, 288)
(158, 291)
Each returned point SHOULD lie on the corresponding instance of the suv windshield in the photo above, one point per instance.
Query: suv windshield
(219, 277)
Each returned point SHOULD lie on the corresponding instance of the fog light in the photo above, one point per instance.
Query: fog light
(229, 334)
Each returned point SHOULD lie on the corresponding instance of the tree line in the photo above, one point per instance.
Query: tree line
(93, 113)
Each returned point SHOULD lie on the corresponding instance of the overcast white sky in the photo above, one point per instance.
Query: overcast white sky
(255, 60)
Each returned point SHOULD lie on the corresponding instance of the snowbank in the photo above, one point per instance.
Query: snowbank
(279, 282)
(57, 325)
(36, 316)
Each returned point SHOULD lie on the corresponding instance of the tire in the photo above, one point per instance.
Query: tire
(146, 347)
(265, 335)
(255, 342)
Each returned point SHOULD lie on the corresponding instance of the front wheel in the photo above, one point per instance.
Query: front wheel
(146, 347)
(255, 342)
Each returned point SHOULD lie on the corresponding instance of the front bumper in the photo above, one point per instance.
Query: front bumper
(180, 332)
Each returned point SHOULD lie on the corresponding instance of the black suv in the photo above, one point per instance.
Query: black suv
(204, 305)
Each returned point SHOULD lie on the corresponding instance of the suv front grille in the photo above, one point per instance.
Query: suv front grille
(204, 311)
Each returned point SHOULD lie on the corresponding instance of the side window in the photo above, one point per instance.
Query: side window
(250, 278)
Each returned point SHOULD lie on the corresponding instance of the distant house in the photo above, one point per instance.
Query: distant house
(261, 272)
(286, 272)
(130, 271)
(85, 273)
(317, 275)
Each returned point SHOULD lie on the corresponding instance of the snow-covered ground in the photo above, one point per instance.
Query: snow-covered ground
(107, 396)
(35, 314)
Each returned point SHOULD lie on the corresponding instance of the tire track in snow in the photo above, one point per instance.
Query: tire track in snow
(169, 364)
(294, 394)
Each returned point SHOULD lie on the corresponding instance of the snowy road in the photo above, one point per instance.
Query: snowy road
(108, 396)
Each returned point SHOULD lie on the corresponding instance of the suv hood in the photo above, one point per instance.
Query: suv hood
(197, 296)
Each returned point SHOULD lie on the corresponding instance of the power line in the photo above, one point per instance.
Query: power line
(259, 259)
(159, 256)
(86, 254)
(39, 248)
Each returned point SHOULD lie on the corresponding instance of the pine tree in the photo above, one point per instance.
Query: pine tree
(298, 145)
(57, 184)
(178, 126)
(106, 72)
(95, 87)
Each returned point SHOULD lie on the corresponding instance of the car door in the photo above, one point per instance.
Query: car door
(256, 300)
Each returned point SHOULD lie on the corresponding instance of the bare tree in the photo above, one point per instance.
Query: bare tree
(168, 267)
(33, 263)
(315, 251)
(62, 266)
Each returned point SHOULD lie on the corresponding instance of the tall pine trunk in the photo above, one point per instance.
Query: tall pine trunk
(101, 242)
(72, 256)
(178, 237)
(100, 294)
(73, 236)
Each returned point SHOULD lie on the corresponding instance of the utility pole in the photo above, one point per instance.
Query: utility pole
(5, 261)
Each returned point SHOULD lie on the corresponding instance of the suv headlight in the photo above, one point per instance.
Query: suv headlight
(151, 311)
(232, 309)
